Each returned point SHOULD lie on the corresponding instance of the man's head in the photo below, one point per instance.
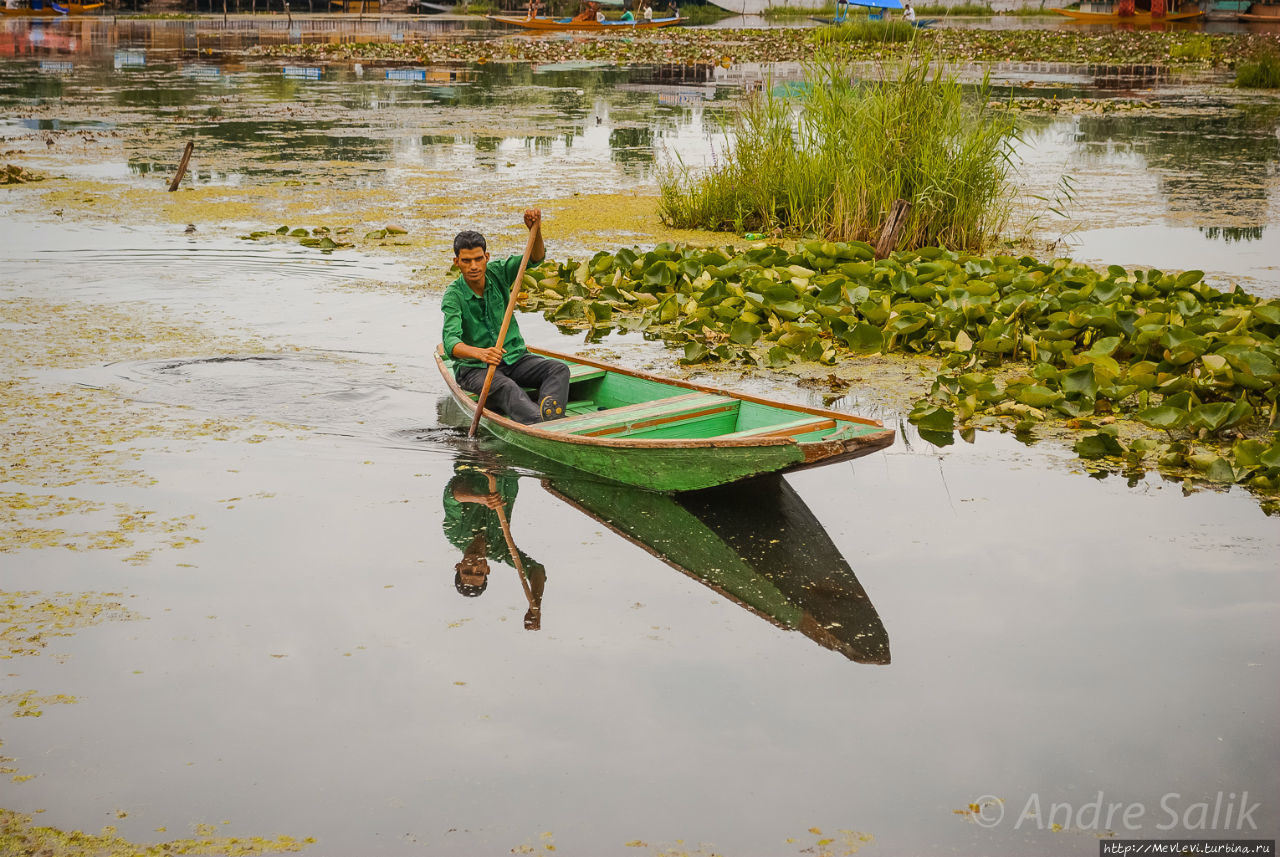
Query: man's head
(471, 255)
(472, 575)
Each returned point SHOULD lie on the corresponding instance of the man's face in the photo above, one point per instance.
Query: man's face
(473, 570)
(472, 263)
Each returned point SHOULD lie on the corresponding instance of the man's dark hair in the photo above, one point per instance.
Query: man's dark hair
(468, 239)
(468, 590)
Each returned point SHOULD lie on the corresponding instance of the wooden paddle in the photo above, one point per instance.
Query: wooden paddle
(511, 542)
(506, 322)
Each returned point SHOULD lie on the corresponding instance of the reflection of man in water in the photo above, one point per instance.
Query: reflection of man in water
(475, 506)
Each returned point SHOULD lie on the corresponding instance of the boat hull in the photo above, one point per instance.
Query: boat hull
(1136, 18)
(677, 463)
(557, 24)
(52, 11)
(755, 543)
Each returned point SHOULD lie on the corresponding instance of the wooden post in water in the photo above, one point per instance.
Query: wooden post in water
(893, 226)
(182, 166)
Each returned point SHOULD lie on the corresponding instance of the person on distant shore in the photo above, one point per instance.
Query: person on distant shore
(473, 307)
(587, 13)
(908, 13)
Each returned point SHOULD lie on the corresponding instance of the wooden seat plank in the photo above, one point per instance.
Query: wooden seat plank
(787, 429)
(582, 372)
(642, 414)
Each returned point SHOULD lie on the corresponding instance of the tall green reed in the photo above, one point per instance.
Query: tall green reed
(1260, 71)
(832, 160)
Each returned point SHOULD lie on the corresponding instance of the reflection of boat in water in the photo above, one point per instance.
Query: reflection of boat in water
(547, 23)
(757, 544)
(668, 435)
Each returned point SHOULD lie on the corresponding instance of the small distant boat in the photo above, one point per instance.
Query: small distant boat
(1140, 16)
(548, 23)
(1261, 13)
(50, 10)
(664, 435)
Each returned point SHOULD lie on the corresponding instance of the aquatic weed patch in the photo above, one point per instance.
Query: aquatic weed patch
(833, 159)
(1189, 372)
(63, 436)
(1144, 47)
(14, 174)
(20, 835)
(1261, 70)
(30, 620)
(1075, 105)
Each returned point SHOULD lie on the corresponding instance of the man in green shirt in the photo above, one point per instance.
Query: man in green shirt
(474, 306)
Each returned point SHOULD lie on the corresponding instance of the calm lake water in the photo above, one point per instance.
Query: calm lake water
(865, 649)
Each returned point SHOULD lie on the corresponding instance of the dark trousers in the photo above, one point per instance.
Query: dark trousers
(548, 377)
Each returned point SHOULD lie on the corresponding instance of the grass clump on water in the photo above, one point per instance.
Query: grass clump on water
(865, 30)
(1261, 71)
(790, 13)
(832, 160)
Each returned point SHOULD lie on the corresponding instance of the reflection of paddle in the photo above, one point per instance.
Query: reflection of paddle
(506, 322)
(506, 533)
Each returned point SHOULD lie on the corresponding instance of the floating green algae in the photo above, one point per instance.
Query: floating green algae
(19, 835)
(30, 620)
(62, 436)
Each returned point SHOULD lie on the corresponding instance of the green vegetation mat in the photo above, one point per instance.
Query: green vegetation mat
(718, 46)
(1144, 369)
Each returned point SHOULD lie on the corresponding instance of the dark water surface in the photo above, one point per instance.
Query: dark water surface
(862, 649)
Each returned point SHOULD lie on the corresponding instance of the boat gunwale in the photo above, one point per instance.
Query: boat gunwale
(1137, 17)
(813, 450)
(547, 23)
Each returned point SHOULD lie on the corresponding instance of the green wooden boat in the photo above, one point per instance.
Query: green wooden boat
(757, 544)
(665, 435)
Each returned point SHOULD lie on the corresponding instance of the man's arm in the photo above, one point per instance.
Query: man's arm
(451, 335)
(533, 216)
(492, 356)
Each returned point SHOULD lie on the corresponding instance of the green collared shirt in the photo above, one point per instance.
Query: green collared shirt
(464, 521)
(476, 319)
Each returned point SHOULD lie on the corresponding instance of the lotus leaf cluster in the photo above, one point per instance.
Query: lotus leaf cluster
(322, 237)
(1190, 369)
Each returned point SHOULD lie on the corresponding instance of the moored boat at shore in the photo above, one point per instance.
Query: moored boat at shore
(665, 435)
(50, 10)
(1138, 16)
(1261, 13)
(547, 23)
